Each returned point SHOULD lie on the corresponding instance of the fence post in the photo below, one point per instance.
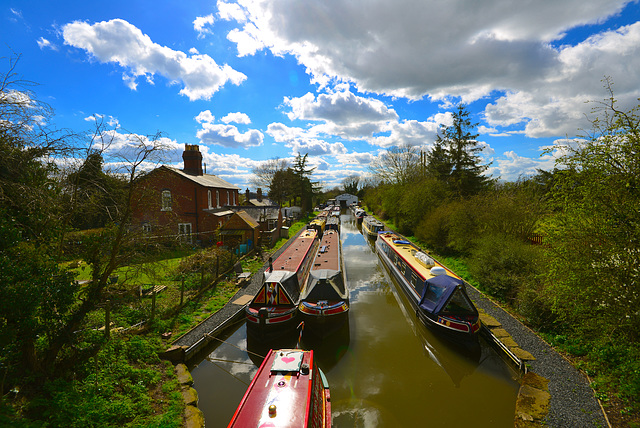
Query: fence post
(107, 320)
(153, 303)
(182, 291)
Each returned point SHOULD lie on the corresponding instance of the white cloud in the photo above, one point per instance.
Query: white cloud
(303, 141)
(44, 43)
(237, 117)
(459, 50)
(120, 42)
(229, 136)
(231, 11)
(512, 166)
(205, 116)
(103, 118)
(201, 25)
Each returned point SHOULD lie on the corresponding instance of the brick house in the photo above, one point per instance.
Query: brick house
(183, 204)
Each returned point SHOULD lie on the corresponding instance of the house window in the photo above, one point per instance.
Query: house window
(166, 200)
(217, 199)
(146, 228)
(209, 198)
(228, 198)
(234, 199)
(184, 232)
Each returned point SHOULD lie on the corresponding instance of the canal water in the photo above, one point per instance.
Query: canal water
(385, 369)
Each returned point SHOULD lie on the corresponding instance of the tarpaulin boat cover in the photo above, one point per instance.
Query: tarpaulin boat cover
(437, 291)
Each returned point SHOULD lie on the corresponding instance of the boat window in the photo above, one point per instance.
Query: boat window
(434, 293)
(459, 304)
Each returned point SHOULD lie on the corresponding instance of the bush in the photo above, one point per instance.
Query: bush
(501, 264)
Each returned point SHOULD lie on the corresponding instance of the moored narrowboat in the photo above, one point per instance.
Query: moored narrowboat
(324, 302)
(273, 310)
(318, 224)
(289, 390)
(371, 226)
(436, 294)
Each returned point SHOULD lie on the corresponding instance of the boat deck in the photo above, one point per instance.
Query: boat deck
(408, 252)
(291, 258)
(328, 256)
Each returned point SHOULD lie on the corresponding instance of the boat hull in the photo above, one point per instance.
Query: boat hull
(323, 320)
(456, 331)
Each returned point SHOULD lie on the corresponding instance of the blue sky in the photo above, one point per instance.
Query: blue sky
(341, 80)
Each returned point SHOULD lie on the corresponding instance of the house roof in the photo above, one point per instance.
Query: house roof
(205, 180)
(246, 217)
(260, 213)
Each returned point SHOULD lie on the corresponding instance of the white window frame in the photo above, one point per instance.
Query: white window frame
(217, 199)
(209, 198)
(166, 200)
(185, 232)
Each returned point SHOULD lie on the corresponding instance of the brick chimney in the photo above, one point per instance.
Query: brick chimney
(192, 159)
(247, 196)
(259, 197)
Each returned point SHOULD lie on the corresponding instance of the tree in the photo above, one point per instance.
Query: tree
(95, 193)
(399, 165)
(281, 186)
(42, 310)
(303, 186)
(263, 174)
(351, 184)
(455, 156)
(594, 236)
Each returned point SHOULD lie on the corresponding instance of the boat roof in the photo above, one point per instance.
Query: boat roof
(328, 255)
(373, 220)
(284, 381)
(447, 286)
(408, 252)
(294, 254)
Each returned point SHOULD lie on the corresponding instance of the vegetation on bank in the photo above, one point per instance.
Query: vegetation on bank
(561, 248)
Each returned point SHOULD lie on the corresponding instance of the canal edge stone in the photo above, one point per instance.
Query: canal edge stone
(532, 404)
(193, 416)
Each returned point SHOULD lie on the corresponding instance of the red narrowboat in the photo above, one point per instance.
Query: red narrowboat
(289, 390)
(273, 310)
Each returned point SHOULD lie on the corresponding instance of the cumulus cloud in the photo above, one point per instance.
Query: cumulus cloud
(201, 25)
(302, 141)
(512, 166)
(229, 136)
(118, 41)
(460, 50)
(237, 117)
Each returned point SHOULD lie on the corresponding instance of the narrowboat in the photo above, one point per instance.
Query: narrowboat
(318, 224)
(333, 223)
(436, 294)
(273, 310)
(359, 213)
(371, 226)
(324, 303)
(289, 390)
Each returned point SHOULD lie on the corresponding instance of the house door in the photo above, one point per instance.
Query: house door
(184, 232)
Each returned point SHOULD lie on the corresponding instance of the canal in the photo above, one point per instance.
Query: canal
(384, 369)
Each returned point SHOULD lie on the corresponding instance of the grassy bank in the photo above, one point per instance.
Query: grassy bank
(125, 384)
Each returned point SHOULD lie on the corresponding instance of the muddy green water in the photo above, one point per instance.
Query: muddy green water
(384, 369)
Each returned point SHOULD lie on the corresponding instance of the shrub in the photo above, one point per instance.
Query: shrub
(501, 264)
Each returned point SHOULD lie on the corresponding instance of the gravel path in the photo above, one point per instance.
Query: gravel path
(573, 403)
